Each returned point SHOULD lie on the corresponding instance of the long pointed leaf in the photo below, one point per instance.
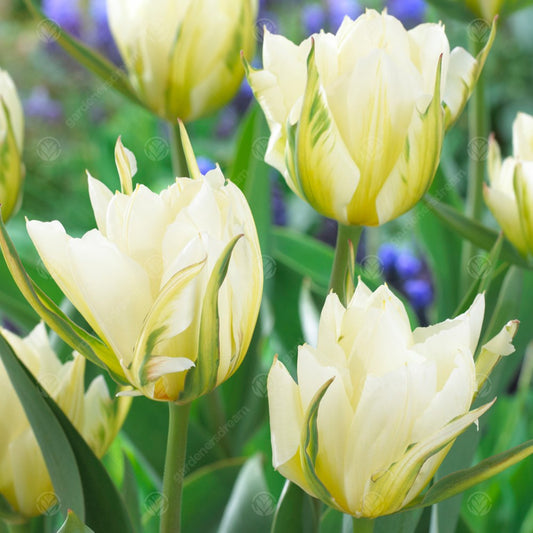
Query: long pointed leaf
(54, 444)
(99, 65)
(464, 479)
(475, 232)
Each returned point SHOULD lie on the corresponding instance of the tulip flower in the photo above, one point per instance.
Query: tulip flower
(377, 406)
(183, 57)
(171, 283)
(24, 479)
(11, 144)
(357, 119)
(510, 195)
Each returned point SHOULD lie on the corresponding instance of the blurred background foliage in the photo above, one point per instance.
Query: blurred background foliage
(72, 123)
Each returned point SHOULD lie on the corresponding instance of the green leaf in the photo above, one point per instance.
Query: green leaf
(294, 511)
(54, 444)
(462, 480)
(74, 525)
(203, 377)
(130, 493)
(80, 480)
(112, 75)
(104, 507)
(203, 500)
(484, 276)
(475, 232)
(91, 347)
(8, 514)
(250, 506)
(304, 255)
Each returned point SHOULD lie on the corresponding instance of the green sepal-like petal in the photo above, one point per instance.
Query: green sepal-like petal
(524, 194)
(325, 170)
(76, 337)
(11, 170)
(468, 88)
(462, 480)
(203, 377)
(309, 447)
(394, 485)
(156, 324)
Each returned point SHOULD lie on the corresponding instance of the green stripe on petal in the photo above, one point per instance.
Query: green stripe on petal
(325, 171)
(309, 447)
(203, 377)
(394, 485)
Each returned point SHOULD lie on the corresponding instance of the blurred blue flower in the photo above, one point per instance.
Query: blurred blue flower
(205, 164)
(419, 292)
(388, 254)
(66, 13)
(410, 12)
(407, 265)
(313, 18)
(338, 9)
(279, 211)
(40, 105)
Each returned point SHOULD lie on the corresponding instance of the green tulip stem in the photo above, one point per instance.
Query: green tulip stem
(174, 468)
(179, 163)
(363, 525)
(477, 151)
(345, 235)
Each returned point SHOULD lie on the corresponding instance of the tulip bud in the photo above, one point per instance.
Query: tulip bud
(486, 9)
(11, 143)
(510, 195)
(184, 57)
(377, 406)
(24, 479)
(357, 119)
(170, 282)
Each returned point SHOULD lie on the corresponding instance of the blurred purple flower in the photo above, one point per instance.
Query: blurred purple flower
(66, 13)
(410, 12)
(419, 292)
(313, 18)
(338, 9)
(205, 164)
(388, 254)
(279, 211)
(407, 265)
(40, 105)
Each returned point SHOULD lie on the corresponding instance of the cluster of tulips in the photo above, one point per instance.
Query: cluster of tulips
(170, 283)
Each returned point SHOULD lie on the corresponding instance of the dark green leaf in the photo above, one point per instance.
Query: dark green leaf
(55, 447)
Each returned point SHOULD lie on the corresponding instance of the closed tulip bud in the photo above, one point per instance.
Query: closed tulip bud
(357, 119)
(377, 406)
(183, 56)
(170, 282)
(486, 9)
(510, 195)
(24, 479)
(11, 143)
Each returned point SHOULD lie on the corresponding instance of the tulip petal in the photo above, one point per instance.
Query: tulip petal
(523, 188)
(493, 350)
(523, 137)
(286, 415)
(418, 162)
(100, 197)
(326, 173)
(126, 166)
(397, 482)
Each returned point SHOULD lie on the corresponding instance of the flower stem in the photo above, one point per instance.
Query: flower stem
(363, 525)
(174, 468)
(345, 235)
(477, 126)
(179, 163)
